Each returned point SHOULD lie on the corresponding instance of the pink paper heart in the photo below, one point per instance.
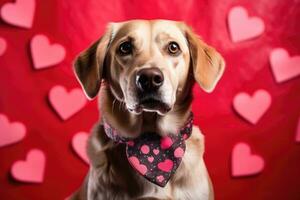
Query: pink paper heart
(32, 169)
(298, 132)
(242, 27)
(79, 144)
(283, 66)
(45, 54)
(66, 103)
(166, 165)
(252, 108)
(20, 13)
(3, 46)
(244, 163)
(10, 133)
(134, 161)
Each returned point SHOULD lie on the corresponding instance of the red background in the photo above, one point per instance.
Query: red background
(75, 24)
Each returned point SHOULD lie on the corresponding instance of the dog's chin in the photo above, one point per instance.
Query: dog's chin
(151, 105)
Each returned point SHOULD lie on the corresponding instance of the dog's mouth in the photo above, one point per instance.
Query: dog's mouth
(151, 104)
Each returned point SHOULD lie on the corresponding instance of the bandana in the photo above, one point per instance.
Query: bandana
(154, 157)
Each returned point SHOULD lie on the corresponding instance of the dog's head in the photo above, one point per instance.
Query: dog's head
(147, 64)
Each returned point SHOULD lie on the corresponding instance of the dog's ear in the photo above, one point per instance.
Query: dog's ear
(208, 65)
(89, 65)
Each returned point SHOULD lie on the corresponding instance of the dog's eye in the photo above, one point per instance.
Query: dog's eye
(173, 48)
(125, 48)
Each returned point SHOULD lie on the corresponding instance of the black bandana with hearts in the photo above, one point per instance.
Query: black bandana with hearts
(154, 157)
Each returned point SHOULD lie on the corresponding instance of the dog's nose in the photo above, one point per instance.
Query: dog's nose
(149, 79)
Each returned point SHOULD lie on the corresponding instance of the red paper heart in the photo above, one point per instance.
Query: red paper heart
(242, 27)
(10, 133)
(31, 170)
(244, 163)
(3, 46)
(283, 66)
(45, 54)
(252, 108)
(20, 13)
(66, 103)
(79, 144)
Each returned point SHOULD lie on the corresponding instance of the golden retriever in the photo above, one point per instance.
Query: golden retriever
(143, 71)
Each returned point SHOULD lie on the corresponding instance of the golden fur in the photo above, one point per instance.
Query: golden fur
(110, 175)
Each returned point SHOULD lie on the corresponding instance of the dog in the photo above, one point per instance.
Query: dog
(143, 72)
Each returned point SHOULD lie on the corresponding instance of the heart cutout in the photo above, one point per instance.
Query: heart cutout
(20, 13)
(66, 104)
(45, 54)
(252, 108)
(3, 46)
(244, 163)
(242, 27)
(32, 169)
(10, 133)
(79, 144)
(283, 66)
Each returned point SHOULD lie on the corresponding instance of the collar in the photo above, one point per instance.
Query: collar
(154, 157)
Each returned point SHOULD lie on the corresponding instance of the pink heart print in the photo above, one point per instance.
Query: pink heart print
(166, 142)
(10, 132)
(284, 67)
(66, 104)
(45, 54)
(298, 132)
(79, 144)
(137, 165)
(242, 27)
(32, 169)
(244, 163)
(166, 165)
(20, 13)
(3, 46)
(252, 108)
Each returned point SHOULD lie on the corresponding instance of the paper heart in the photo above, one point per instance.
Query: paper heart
(79, 144)
(45, 54)
(283, 66)
(10, 133)
(244, 163)
(242, 27)
(252, 108)
(134, 161)
(32, 169)
(298, 132)
(166, 165)
(66, 103)
(3, 46)
(20, 13)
